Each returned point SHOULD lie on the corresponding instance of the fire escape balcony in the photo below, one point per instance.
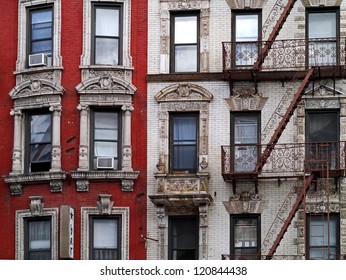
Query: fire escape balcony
(286, 59)
(239, 161)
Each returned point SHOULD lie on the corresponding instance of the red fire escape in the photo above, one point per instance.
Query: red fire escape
(270, 66)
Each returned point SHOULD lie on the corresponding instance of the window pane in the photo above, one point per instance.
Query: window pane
(106, 233)
(245, 233)
(40, 128)
(42, 47)
(186, 58)
(185, 30)
(322, 25)
(245, 130)
(39, 234)
(246, 28)
(322, 127)
(184, 129)
(107, 51)
(106, 125)
(41, 30)
(107, 22)
(40, 152)
(185, 157)
(104, 149)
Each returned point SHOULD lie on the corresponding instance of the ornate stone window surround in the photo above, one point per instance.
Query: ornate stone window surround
(29, 95)
(22, 71)
(183, 98)
(108, 90)
(36, 210)
(168, 6)
(105, 207)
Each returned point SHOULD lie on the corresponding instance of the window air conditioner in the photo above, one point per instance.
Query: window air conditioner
(105, 163)
(38, 59)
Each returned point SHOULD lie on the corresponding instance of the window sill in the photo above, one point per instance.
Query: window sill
(38, 69)
(54, 178)
(83, 177)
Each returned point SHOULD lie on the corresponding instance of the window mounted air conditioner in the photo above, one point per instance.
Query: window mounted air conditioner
(38, 59)
(105, 163)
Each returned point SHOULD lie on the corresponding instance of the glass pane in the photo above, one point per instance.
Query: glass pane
(185, 157)
(185, 30)
(246, 28)
(186, 58)
(319, 231)
(40, 128)
(245, 130)
(41, 30)
(106, 125)
(184, 254)
(184, 130)
(39, 234)
(245, 233)
(322, 127)
(41, 16)
(105, 149)
(107, 51)
(39, 255)
(245, 253)
(41, 47)
(246, 53)
(106, 233)
(107, 22)
(40, 152)
(322, 25)
(105, 254)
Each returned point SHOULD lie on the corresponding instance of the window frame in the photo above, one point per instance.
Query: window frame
(105, 5)
(28, 142)
(334, 216)
(337, 31)
(233, 219)
(27, 250)
(172, 116)
(92, 219)
(30, 10)
(174, 219)
(92, 137)
(257, 12)
(173, 16)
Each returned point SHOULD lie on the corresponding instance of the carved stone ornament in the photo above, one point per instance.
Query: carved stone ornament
(105, 204)
(56, 186)
(245, 4)
(82, 185)
(246, 100)
(127, 185)
(321, 3)
(245, 203)
(36, 205)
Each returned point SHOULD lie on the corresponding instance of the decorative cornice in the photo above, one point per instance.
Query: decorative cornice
(246, 4)
(321, 3)
(245, 203)
(246, 100)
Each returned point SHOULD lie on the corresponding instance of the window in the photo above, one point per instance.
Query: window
(322, 136)
(184, 135)
(41, 33)
(183, 238)
(39, 142)
(245, 237)
(323, 236)
(105, 238)
(246, 34)
(184, 42)
(322, 36)
(106, 142)
(245, 137)
(107, 32)
(37, 239)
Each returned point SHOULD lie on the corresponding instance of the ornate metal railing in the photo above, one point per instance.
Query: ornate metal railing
(292, 54)
(285, 160)
(276, 257)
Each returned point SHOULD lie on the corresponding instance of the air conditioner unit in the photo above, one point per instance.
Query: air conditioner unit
(38, 59)
(105, 163)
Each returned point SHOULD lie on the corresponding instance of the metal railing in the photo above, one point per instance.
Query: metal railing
(291, 54)
(285, 159)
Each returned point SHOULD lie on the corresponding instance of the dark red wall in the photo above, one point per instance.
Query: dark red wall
(71, 50)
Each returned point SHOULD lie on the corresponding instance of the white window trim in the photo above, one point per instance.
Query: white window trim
(86, 212)
(22, 32)
(87, 27)
(21, 215)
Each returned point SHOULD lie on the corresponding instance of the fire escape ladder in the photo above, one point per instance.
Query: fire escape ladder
(275, 32)
(300, 199)
(283, 123)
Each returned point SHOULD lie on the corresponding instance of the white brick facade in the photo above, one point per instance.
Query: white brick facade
(272, 193)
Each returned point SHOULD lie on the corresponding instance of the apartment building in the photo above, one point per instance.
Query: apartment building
(246, 129)
(73, 115)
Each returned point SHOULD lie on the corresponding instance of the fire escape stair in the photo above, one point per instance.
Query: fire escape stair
(300, 199)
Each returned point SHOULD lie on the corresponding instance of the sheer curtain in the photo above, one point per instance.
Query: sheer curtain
(39, 239)
(105, 239)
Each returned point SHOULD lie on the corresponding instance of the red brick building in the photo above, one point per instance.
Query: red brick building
(73, 120)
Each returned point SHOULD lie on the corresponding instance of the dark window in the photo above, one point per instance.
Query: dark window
(184, 42)
(37, 239)
(41, 31)
(184, 135)
(106, 139)
(245, 237)
(107, 34)
(39, 141)
(323, 236)
(245, 138)
(246, 34)
(105, 238)
(322, 33)
(183, 238)
(322, 136)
